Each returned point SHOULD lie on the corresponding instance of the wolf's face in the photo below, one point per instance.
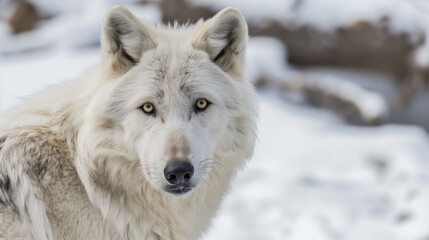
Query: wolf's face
(178, 95)
(177, 109)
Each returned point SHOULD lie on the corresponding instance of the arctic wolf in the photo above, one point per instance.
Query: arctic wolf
(143, 147)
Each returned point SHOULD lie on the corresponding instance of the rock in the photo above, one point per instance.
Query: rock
(24, 17)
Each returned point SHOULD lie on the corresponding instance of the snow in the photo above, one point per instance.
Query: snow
(372, 105)
(267, 59)
(74, 28)
(324, 14)
(410, 17)
(312, 177)
(422, 53)
(79, 22)
(26, 75)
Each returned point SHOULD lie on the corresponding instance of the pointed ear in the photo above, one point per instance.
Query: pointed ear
(124, 38)
(224, 38)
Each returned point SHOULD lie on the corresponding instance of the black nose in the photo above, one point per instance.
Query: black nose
(178, 172)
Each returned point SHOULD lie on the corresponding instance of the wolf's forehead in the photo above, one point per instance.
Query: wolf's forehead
(174, 68)
(176, 73)
(167, 65)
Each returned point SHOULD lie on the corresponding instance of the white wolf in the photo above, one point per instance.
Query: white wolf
(143, 147)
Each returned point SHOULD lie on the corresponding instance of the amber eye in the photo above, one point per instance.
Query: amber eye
(148, 108)
(201, 105)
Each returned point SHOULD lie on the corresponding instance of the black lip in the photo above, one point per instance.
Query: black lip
(178, 190)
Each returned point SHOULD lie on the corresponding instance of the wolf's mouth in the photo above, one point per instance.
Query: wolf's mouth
(178, 189)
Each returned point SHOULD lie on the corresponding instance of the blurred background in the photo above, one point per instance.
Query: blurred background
(343, 148)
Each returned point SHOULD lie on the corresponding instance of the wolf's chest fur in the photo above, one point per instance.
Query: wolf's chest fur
(47, 163)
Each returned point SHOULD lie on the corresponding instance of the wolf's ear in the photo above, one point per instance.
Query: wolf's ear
(224, 38)
(124, 39)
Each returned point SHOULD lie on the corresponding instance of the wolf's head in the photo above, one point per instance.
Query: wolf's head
(177, 97)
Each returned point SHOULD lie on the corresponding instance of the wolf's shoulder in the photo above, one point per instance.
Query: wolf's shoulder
(36, 150)
(32, 160)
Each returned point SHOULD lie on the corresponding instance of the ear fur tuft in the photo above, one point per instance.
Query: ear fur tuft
(124, 38)
(224, 39)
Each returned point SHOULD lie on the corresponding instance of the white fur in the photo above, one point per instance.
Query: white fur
(119, 152)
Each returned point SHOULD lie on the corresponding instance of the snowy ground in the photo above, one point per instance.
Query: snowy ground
(312, 177)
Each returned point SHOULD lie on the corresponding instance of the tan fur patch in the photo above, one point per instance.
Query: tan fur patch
(178, 149)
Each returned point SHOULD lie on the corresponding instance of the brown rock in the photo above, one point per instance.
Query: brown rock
(183, 11)
(24, 17)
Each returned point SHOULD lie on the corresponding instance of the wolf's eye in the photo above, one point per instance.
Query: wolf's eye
(201, 105)
(148, 108)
